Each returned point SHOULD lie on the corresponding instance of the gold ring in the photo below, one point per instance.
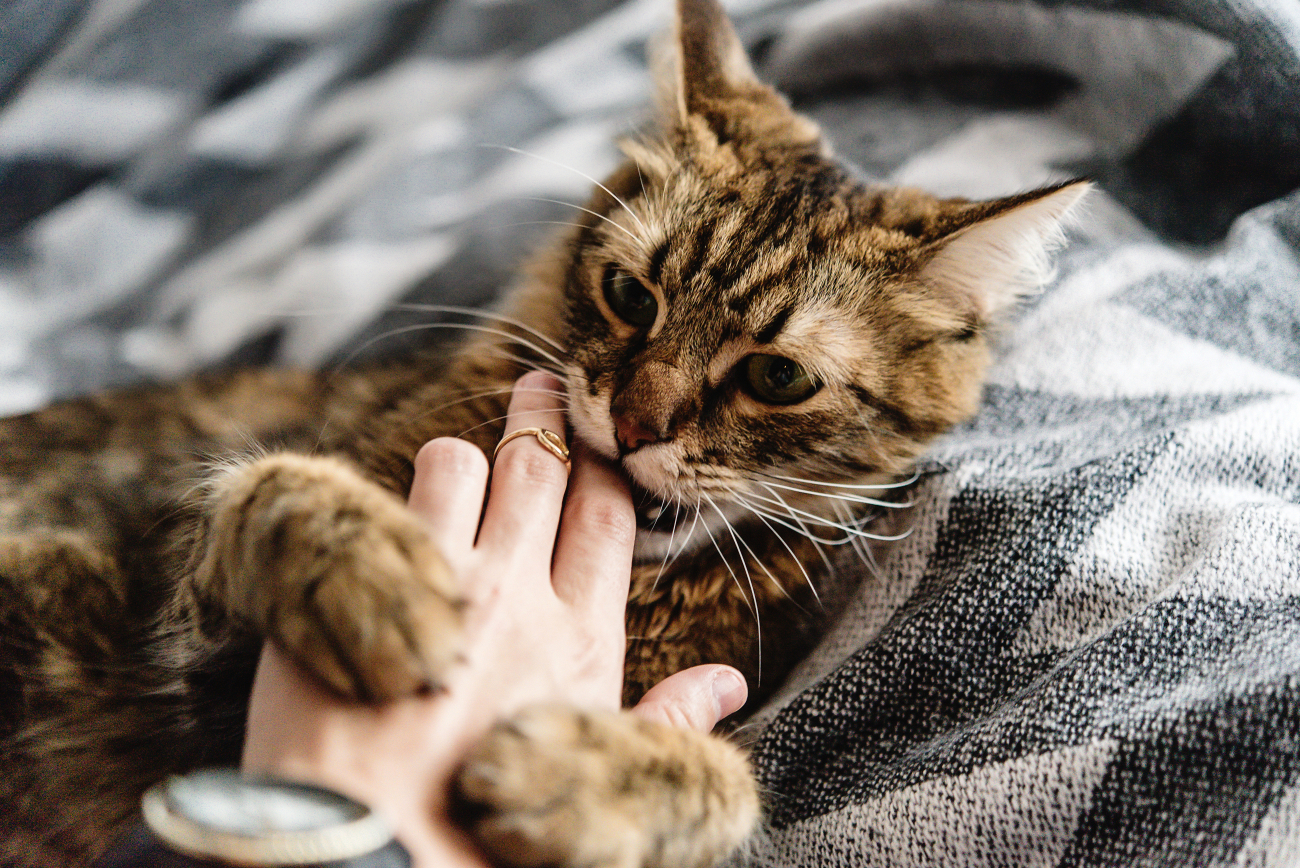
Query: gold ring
(552, 442)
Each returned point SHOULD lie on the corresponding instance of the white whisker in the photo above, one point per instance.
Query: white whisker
(860, 548)
(758, 623)
(577, 172)
(799, 527)
(690, 533)
(853, 486)
(474, 327)
(639, 242)
(759, 562)
(726, 563)
(848, 529)
(852, 498)
(484, 314)
(503, 417)
(802, 529)
(793, 557)
(526, 363)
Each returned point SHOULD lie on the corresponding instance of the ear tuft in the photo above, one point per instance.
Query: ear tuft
(1005, 253)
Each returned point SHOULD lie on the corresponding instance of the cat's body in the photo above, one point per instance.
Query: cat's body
(739, 322)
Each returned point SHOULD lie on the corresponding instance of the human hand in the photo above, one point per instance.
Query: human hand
(544, 624)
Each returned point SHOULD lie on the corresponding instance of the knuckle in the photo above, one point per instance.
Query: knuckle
(451, 455)
(531, 463)
(676, 715)
(608, 517)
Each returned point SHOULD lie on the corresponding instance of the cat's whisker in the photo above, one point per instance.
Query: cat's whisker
(526, 363)
(425, 307)
(577, 172)
(472, 327)
(726, 563)
(802, 530)
(638, 241)
(749, 579)
(882, 486)
(640, 177)
(471, 396)
(668, 552)
(799, 527)
(779, 538)
(543, 223)
(689, 534)
(851, 498)
(758, 561)
(504, 416)
(860, 548)
(849, 530)
(522, 341)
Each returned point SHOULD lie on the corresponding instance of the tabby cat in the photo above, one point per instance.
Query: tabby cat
(755, 335)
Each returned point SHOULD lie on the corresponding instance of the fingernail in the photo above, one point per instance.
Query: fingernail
(730, 690)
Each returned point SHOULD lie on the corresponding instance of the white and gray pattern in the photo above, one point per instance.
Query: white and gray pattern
(1088, 650)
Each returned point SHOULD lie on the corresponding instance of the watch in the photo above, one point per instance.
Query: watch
(220, 817)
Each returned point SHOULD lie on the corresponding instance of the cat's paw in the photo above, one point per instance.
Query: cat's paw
(337, 571)
(558, 786)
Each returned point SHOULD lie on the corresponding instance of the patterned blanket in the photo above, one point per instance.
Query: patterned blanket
(1087, 652)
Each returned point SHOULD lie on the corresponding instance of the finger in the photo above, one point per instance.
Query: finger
(695, 698)
(593, 555)
(528, 481)
(447, 492)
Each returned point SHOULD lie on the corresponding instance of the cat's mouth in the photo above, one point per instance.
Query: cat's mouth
(657, 515)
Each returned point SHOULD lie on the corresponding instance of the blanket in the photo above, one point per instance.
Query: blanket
(1086, 652)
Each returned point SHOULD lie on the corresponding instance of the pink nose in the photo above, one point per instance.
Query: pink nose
(632, 434)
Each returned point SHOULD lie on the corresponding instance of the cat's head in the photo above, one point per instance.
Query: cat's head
(743, 313)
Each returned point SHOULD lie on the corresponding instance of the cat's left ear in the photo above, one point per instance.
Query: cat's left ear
(705, 78)
(1002, 250)
(712, 64)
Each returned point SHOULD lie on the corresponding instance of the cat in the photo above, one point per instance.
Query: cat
(755, 335)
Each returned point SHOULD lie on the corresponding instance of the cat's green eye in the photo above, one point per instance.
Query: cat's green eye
(629, 299)
(778, 380)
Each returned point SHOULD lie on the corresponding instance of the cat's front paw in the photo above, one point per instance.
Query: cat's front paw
(558, 786)
(335, 570)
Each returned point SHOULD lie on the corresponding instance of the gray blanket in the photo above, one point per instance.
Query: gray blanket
(1087, 652)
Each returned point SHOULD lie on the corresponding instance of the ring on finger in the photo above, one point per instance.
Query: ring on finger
(551, 442)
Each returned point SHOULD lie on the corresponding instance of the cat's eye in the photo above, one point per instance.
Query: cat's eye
(629, 299)
(778, 380)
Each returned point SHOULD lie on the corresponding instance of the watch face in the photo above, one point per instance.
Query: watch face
(224, 816)
(221, 799)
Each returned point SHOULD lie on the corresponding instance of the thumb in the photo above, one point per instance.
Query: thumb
(695, 698)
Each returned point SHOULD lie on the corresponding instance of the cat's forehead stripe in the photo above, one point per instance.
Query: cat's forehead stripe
(768, 332)
(655, 267)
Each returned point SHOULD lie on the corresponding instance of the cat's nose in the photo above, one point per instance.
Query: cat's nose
(631, 434)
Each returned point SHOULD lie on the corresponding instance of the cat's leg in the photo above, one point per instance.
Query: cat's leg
(558, 786)
(334, 569)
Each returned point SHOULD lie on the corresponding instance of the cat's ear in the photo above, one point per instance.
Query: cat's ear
(706, 82)
(1002, 250)
(712, 64)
